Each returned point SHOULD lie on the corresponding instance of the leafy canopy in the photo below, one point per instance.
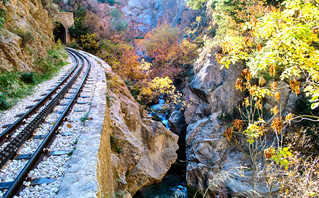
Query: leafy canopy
(168, 53)
(196, 4)
(79, 27)
(283, 43)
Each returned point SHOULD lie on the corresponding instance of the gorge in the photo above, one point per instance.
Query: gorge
(202, 98)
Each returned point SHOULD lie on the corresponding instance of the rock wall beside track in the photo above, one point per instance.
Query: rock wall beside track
(135, 150)
(27, 34)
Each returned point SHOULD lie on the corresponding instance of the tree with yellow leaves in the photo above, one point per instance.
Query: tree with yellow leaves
(280, 45)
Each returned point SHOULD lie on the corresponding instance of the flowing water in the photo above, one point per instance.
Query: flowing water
(173, 184)
(157, 110)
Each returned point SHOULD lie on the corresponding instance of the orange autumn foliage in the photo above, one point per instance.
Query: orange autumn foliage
(123, 59)
(162, 55)
(130, 65)
(168, 53)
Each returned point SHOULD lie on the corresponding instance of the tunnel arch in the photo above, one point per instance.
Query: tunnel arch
(59, 32)
(65, 19)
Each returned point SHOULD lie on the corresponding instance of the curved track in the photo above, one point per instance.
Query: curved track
(20, 131)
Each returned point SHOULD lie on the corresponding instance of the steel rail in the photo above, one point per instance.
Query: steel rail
(39, 153)
(10, 150)
(7, 132)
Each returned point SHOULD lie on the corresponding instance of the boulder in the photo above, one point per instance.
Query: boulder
(196, 107)
(176, 122)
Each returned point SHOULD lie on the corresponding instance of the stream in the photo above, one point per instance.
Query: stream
(174, 183)
(157, 110)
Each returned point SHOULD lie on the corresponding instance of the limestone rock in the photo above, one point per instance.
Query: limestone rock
(142, 16)
(212, 90)
(176, 122)
(143, 149)
(213, 161)
(148, 14)
(196, 107)
(28, 17)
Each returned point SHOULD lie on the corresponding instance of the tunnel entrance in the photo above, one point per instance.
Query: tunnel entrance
(59, 32)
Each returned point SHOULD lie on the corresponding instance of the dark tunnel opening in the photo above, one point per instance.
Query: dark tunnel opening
(59, 32)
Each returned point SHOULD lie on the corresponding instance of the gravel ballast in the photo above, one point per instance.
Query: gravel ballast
(78, 140)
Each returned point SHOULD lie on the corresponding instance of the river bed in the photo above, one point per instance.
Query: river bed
(174, 183)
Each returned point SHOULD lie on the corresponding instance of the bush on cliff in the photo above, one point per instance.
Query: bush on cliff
(117, 21)
(16, 84)
(3, 13)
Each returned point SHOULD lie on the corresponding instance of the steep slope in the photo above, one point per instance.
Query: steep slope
(144, 15)
(135, 151)
(141, 16)
(214, 163)
(212, 160)
(27, 34)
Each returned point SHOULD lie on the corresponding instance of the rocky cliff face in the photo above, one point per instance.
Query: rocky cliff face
(212, 160)
(142, 150)
(141, 16)
(144, 15)
(26, 35)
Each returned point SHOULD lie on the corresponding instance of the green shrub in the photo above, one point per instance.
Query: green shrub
(50, 6)
(73, 45)
(109, 99)
(3, 103)
(115, 144)
(79, 27)
(196, 4)
(115, 13)
(119, 25)
(14, 85)
(111, 2)
(27, 36)
(50, 65)
(11, 85)
(117, 22)
(3, 12)
(28, 77)
(90, 43)
(84, 118)
(77, 30)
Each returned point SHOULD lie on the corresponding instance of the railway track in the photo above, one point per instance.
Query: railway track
(39, 127)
